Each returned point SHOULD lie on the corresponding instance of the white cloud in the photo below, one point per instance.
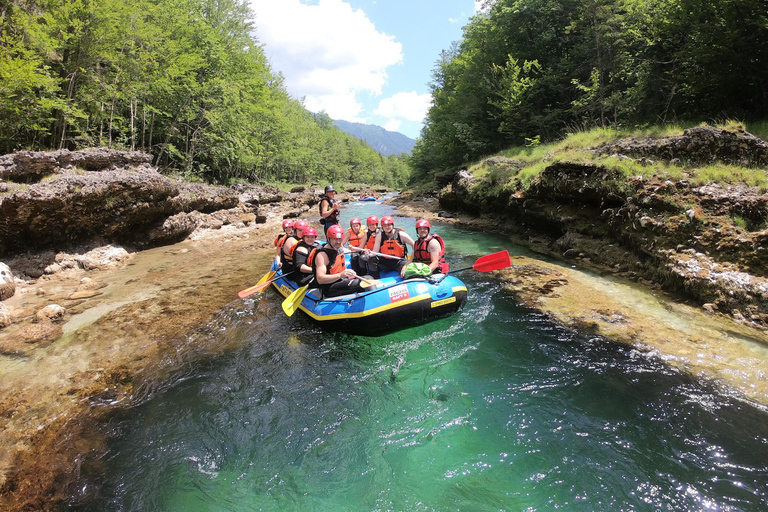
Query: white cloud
(392, 125)
(409, 106)
(329, 53)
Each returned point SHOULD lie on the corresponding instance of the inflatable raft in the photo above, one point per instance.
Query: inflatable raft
(394, 304)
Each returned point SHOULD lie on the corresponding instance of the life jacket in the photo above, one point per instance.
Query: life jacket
(421, 252)
(299, 258)
(333, 217)
(287, 259)
(371, 240)
(356, 240)
(394, 246)
(335, 258)
(280, 239)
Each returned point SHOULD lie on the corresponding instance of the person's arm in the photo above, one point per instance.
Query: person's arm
(344, 240)
(434, 254)
(287, 246)
(278, 263)
(325, 208)
(406, 238)
(377, 243)
(300, 259)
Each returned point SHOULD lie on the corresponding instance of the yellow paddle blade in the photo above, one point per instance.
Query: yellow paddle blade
(366, 283)
(293, 301)
(268, 276)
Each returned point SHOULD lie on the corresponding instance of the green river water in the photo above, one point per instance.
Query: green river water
(495, 408)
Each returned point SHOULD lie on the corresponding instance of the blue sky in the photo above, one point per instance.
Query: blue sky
(366, 61)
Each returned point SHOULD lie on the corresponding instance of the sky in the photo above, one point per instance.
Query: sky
(363, 61)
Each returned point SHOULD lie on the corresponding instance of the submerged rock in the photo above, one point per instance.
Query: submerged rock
(7, 284)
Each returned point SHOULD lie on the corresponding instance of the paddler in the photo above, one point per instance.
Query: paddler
(393, 242)
(329, 266)
(429, 248)
(280, 240)
(355, 236)
(301, 254)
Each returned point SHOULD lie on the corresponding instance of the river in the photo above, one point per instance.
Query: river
(495, 408)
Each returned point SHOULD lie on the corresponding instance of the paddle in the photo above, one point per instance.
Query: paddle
(390, 256)
(262, 285)
(293, 301)
(487, 263)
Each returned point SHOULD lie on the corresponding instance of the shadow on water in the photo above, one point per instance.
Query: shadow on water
(495, 408)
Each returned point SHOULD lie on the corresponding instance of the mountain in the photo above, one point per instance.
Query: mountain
(385, 142)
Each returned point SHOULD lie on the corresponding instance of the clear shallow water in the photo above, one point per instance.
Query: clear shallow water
(495, 408)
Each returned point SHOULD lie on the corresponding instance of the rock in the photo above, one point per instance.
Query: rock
(298, 189)
(5, 316)
(52, 313)
(7, 284)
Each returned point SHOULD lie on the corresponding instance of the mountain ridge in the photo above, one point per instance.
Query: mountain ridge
(385, 142)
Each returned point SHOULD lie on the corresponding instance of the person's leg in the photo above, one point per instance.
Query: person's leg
(342, 287)
(372, 265)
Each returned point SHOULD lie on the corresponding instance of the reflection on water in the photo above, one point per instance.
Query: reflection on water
(495, 408)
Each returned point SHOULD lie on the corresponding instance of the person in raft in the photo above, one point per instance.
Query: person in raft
(280, 240)
(286, 253)
(303, 250)
(369, 240)
(429, 248)
(329, 209)
(391, 241)
(355, 236)
(328, 263)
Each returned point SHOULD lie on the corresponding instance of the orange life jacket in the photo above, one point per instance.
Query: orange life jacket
(421, 252)
(356, 240)
(280, 239)
(394, 246)
(371, 240)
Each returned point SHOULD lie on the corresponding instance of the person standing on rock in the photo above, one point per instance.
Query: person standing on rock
(329, 209)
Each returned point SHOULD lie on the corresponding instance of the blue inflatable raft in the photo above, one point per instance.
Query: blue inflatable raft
(395, 304)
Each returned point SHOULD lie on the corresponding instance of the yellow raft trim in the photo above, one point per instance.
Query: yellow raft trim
(285, 291)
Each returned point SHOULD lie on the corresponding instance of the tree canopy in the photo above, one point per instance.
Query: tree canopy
(529, 70)
(185, 80)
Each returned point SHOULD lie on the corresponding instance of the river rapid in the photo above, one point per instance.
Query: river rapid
(499, 407)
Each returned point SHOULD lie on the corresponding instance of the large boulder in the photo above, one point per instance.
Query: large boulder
(7, 284)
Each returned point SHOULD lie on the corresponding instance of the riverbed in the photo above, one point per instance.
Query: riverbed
(523, 400)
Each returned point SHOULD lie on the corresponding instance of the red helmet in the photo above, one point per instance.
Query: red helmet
(299, 225)
(423, 223)
(355, 221)
(287, 223)
(335, 231)
(372, 220)
(387, 219)
(309, 231)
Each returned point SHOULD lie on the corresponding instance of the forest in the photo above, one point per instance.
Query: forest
(532, 71)
(185, 80)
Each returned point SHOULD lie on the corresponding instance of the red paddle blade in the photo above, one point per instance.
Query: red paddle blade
(495, 261)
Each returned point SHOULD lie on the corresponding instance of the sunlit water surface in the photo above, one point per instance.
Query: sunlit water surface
(495, 408)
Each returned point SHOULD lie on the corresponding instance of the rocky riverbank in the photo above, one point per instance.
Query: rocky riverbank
(94, 324)
(704, 242)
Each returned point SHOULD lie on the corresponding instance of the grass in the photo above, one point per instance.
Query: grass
(576, 148)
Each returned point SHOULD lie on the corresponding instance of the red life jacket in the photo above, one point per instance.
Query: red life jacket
(393, 246)
(421, 252)
(356, 240)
